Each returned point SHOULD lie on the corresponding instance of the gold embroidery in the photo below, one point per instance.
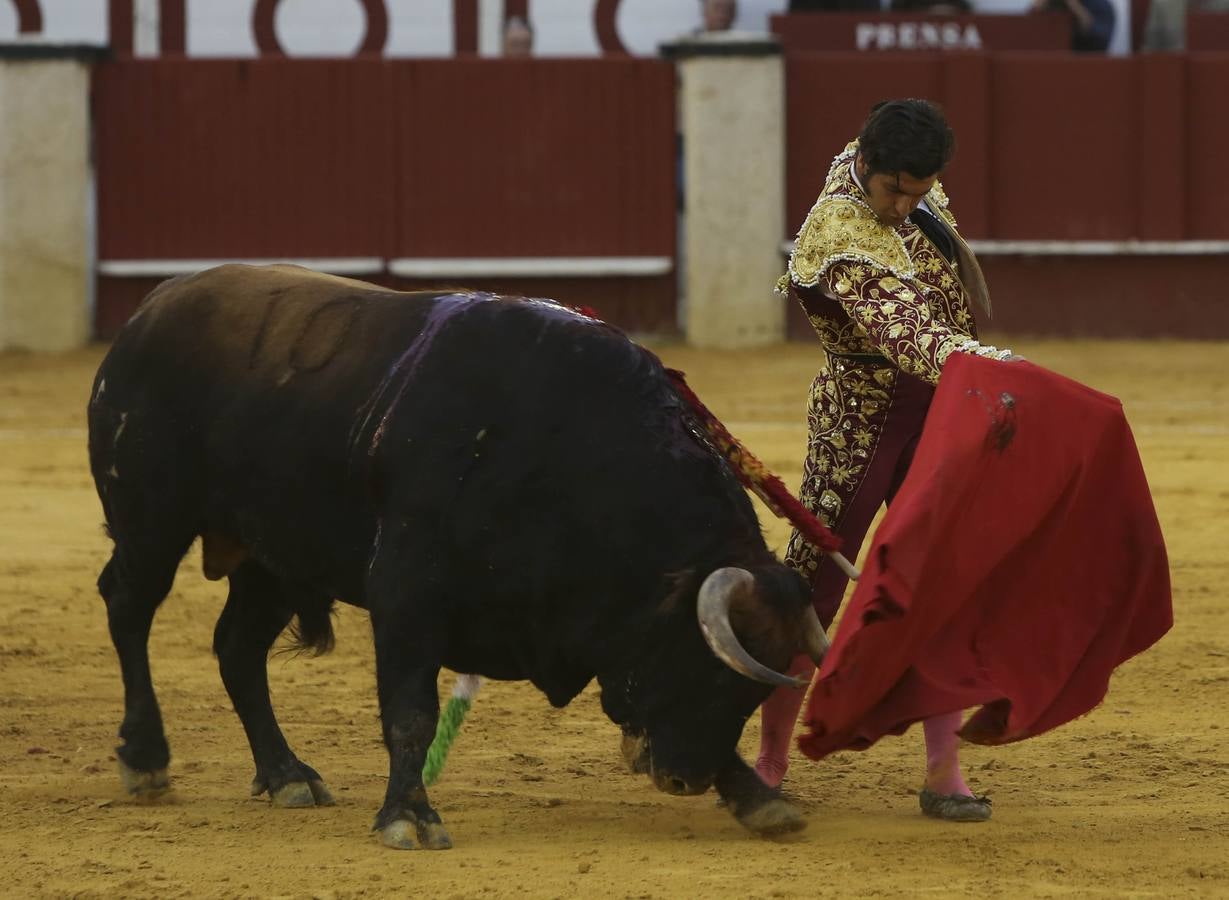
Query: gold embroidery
(830, 505)
(936, 199)
(843, 417)
(900, 327)
(896, 295)
(843, 229)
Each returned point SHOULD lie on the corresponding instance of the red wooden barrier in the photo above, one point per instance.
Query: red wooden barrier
(385, 158)
(1054, 148)
(1207, 31)
(535, 158)
(1207, 144)
(1062, 149)
(248, 159)
(429, 159)
(1049, 147)
(381, 160)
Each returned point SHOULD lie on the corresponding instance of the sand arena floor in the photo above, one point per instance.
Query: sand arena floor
(1132, 800)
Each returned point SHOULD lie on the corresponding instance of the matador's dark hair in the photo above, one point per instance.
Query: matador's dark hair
(906, 136)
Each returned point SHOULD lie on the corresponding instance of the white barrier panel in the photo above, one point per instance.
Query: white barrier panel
(733, 121)
(45, 199)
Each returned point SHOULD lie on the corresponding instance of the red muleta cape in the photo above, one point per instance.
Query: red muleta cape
(1019, 564)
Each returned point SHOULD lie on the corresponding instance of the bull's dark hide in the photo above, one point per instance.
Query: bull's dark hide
(511, 488)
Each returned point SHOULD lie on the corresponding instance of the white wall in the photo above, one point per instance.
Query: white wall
(45, 253)
(64, 22)
(416, 27)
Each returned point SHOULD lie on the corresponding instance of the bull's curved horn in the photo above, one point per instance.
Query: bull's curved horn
(718, 592)
(814, 639)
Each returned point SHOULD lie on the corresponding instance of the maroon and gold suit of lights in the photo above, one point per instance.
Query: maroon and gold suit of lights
(884, 301)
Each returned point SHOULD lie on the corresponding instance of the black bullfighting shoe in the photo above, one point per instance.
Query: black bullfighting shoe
(954, 807)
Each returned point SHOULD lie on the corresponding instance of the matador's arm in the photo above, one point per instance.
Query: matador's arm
(898, 320)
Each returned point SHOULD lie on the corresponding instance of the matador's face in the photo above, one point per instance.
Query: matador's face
(893, 195)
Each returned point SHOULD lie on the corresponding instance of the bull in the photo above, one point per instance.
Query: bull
(510, 488)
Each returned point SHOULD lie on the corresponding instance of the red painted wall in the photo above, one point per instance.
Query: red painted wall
(385, 158)
(243, 159)
(1049, 146)
(534, 158)
(390, 158)
(278, 158)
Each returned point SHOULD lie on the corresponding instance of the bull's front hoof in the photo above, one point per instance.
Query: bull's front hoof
(301, 794)
(144, 785)
(774, 818)
(400, 836)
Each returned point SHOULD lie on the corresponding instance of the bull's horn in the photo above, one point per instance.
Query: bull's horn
(814, 639)
(719, 591)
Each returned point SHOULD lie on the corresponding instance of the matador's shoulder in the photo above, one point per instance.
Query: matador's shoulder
(842, 227)
(839, 229)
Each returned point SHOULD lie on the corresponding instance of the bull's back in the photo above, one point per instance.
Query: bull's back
(259, 327)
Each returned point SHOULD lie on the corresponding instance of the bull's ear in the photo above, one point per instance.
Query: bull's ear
(720, 591)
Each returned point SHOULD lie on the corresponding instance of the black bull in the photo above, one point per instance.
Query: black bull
(510, 488)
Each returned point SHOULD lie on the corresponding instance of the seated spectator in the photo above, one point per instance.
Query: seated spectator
(518, 37)
(1094, 22)
(1166, 25)
(717, 15)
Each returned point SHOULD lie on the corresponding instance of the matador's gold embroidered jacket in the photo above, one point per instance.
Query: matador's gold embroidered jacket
(872, 291)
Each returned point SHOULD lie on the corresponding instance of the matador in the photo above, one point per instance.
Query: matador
(888, 283)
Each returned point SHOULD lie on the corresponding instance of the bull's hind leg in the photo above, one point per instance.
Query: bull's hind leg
(258, 608)
(133, 583)
(406, 622)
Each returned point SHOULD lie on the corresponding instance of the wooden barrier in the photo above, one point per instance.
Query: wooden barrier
(417, 168)
(1053, 147)
(520, 176)
(1207, 31)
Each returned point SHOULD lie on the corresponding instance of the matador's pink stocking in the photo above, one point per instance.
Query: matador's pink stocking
(943, 755)
(778, 715)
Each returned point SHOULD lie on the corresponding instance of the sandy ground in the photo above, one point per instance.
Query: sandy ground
(1132, 800)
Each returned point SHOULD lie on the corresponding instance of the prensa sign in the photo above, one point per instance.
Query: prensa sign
(917, 36)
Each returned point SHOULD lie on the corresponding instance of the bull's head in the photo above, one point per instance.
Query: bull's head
(683, 706)
(729, 589)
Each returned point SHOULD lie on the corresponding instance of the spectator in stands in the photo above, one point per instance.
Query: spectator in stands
(1166, 25)
(518, 37)
(717, 15)
(1094, 22)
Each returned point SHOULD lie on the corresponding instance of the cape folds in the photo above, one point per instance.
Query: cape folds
(1019, 564)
